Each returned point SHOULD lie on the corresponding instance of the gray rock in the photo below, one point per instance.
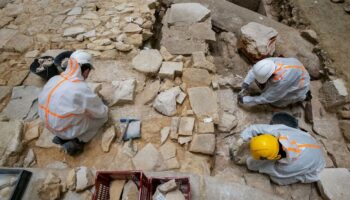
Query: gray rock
(147, 61)
(107, 139)
(10, 143)
(310, 35)
(22, 105)
(120, 46)
(170, 69)
(174, 127)
(187, 13)
(199, 61)
(227, 122)
(91, 16)
(124, 92)
(74, 31)
(334, 183)
(57, 165)
(333, 94)
(258, 40)
(183, 140)
(71, 179)
(338, 151)
(147, 159)
(203, 143)
(194, 77)
(12, 10)
(181, 97)
(203, 102)
(165, 54)
(75, 11)
(165, 102)
(180, 47)
(186, 126)
(85, 178)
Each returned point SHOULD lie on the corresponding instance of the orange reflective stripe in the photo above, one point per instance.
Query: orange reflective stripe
(277, 78)
(293, 149)
(55, 114)
(283, 137)
(293, 142)
(314, 146)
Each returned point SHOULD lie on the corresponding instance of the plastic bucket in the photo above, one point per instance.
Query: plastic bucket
(46, 74)
(60, 57)
(284, 118)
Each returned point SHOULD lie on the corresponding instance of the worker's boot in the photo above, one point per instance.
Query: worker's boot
(73, 147)
(59, 141)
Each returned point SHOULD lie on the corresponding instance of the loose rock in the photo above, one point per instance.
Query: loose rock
(147, 159)
(170, 69)
(164, 133)
(165, 54)
(73, 31)
(334, 183)
(199, 61)
(85, 178)
(186, 126)
(227, 122)
(71, 180)
(107, 139)
(165, 102)
(205, 127)
(203, 102)
(168, 150)
(334, 93)
(124, 91)
(203, 143)
(147, 61)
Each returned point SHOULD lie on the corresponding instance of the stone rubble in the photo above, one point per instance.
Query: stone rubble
(124, 91)
(84, 178)
(165, 102)
(51, 188)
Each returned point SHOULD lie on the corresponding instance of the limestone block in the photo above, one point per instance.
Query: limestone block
(186, 126)
(147, 61)
(203, 143)
(188, 13)
(170, 69)
(334, 183)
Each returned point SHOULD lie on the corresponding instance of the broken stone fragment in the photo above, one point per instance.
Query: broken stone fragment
(203, 102)
(10, 144)
(204, 127)
(130, 191)
(31, 130)
(116, 189)
(75, 11)
(164, 133)
(172, 164)
(103, 42)
(175, 195)
(310, 35)
(132, 28)
(19, 43)
(150, 92)
(334, 183)
(227, 122)
(124, 91)
(120, 46)
(29, 160)
(147, 61)
(134, 39)
(85, 178)
(51, 188)
(90, 15)
(73, 31)
(167, 187)
(181, 97)
(168, 150)
(165, 102)
(186, 126)
(174, 126)
(345, 128)
(165, 54)
(187, 13)
(203, 143)
(107, 139)
(334, 93)
(194, 77)
(183, 140)
(199, 61)
(170, 69)
(71, 179)
(258, 41)
(147, 159)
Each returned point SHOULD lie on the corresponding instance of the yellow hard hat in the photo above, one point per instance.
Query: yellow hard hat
(264, 147)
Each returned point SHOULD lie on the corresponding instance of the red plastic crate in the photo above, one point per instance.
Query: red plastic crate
(183, 183)
(104, 178)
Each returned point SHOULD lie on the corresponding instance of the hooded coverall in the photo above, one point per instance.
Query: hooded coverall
(304, 158)
(290, 84)
(69, 108)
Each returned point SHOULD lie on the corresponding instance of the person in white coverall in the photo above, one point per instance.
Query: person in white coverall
(69, 108)
(286, 154)
(283, 81)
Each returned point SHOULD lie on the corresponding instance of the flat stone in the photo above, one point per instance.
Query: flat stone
(147, 158)
(103, 42)
(338, 152)
(116, 189)
(135, 40)
(19, 43)
(74, 31)
(333, 94)
(165, 54)
(45, 140)
(194, 77)
(181, 47)
(227, 122)
(175, 195)
(57, 165)
(345, 128)
(124, 92)
(203, 143)
(259, 181)
(107, 139)
(168, 150)
(17, 77)
(164, 133)
(123, 47)
(174, 127)
(150, 92)
(258, 41)
(204, 127)
(132, 28)
(165, 102)
(310, 35)
(203, 102)
(170, 69)
(5, 92)
(188, 13)
(183, 140)
(172, 164)
(227, 100)
(85, 178)
(75, 11)
(147, 61)
(6, 35)
(186, 125)
(32, 130)
(199, 61)
(29, 160)
(71, 179)
(90, 34)
(130, 191)
(181, 97)
(334, 183)
(167, 186)
(10, 143)
(22, 105)
(90, 15)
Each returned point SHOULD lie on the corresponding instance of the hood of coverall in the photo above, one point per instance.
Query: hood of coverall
(73, 69)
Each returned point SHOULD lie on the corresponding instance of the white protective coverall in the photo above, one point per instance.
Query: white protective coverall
(69, 108)
(304, 160)
(290, 84)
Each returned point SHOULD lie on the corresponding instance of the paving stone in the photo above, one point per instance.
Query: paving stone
(124, 91)
(170, 69)
(75, 11)
(310, 35)
(165, 54)
(150, 92)
(227, 100)
(73, 31)
(194, 77)
(164, 133)
(199, 61)
(187, 13)
(147, 61)
(334, 183)
(107, 139)
(22, 105)
(259, 181)
(165, 102)
(172, 164)
(168, 150)
(203, 143)
(202, 31)
(203, 102)
(147, 159)
(183, 140)
(186, 126)
(205, 127)
(10, 143)
(227, 122)
(333, 94)
(258, 41)
(181, 97)
(85, 178)
(338, 152)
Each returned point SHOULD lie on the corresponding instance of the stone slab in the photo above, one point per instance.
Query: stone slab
(203, 102)
(334, 183)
